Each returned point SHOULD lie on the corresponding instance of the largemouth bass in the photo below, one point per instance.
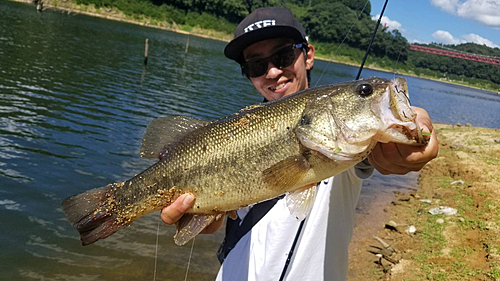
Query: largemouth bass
(258, 153)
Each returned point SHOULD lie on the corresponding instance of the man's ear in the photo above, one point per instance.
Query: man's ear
(310, 57)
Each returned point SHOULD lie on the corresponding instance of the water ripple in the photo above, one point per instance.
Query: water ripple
(11, 205)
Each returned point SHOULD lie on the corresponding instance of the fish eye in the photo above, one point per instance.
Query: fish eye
(364, 90)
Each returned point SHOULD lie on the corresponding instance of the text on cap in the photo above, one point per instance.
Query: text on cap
(259, 24)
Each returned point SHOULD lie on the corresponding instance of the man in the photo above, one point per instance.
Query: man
(272, 48)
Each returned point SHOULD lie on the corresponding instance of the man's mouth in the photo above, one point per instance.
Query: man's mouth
(279, 86)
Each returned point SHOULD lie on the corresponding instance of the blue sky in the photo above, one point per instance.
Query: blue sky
(443, 21)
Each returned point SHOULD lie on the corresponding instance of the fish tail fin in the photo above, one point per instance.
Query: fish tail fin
(92, 214)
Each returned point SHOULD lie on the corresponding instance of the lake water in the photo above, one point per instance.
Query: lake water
(74, 102)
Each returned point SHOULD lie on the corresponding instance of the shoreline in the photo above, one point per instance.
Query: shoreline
(116, 15)
(461, 246)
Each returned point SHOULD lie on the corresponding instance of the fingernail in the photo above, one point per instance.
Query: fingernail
(188, 200)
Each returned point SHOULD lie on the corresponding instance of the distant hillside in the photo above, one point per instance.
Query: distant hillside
(326, 21)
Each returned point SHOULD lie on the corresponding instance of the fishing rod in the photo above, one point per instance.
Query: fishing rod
(371, 41)
(299, 230)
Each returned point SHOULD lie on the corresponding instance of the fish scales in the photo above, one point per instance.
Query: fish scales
(231, 166)
(256, 154)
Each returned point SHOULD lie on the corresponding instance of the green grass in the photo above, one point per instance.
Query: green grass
(444, 182)
(491, 160)
(432, 234)
(458, 252)
(473, 224)
(494, 273)
(477, 141)
(440, 276)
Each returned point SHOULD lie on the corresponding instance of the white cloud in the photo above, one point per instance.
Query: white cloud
(391, 24)
(486, 12)
(445, 37)
(418, 41)
(446, 5)
(474, 38)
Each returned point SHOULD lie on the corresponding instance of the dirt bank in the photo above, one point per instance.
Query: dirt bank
(465, 246)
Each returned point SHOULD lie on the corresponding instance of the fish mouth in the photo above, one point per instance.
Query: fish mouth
(409, 133)
(400, 118)
(404, 112)
(401, 132)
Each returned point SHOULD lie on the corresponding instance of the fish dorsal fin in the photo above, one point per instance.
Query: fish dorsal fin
(300, 202)
(190, 225)
(286, 173)
(163, 131)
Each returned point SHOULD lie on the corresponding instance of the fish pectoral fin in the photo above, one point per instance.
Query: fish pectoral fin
(300, 202)
(190, 225)
(286, 173)
(163, 131)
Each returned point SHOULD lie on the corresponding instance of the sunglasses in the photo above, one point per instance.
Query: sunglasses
(282, 58)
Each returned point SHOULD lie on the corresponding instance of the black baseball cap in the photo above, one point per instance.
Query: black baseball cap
(261, 24)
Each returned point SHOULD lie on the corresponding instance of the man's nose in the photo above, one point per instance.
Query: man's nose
(273, 71)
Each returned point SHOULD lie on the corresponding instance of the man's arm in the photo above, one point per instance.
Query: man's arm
(392, 158)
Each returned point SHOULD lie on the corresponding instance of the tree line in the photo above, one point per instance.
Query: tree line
(327, 22)
(455, 68)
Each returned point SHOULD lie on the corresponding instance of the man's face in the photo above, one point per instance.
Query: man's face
(277, 83)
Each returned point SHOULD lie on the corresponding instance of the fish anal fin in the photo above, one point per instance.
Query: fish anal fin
(286, 173)
(300, 202)
(163, 131)
(190, 225)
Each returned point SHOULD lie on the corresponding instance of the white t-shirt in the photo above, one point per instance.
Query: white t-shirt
(321, 252)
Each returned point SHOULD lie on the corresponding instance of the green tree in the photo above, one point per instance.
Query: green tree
(326, 22)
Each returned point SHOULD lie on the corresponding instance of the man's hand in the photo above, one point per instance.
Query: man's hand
(176, 210)
(392, 158)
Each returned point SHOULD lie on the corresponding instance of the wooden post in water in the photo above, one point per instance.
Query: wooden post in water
(187, 45)
(39, 5)
(146, 52)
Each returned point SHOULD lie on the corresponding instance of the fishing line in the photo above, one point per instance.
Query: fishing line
(156, 250)
(342, 42)
(189, 261)
(396, 64)
(371, 41)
